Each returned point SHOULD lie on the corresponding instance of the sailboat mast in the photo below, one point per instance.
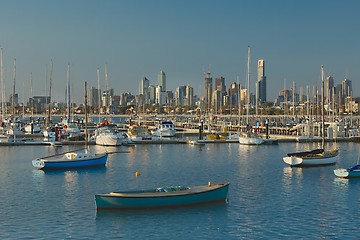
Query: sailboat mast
(239, 98)
(248, 86)
(86, 115)
(32, 97)
(68, 94)
(99, 93)
(50, 101)
(13, 101)
(13, 95)
(107, 99)
(322, 108)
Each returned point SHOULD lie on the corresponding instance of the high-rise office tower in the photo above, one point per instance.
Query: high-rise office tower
(346, 88)
(329, 88)
(261, 82)
(189, 96)
(208, 90)
(162, 81)
(94, 97)
(144, 85)
(180, 95)
(220, 84)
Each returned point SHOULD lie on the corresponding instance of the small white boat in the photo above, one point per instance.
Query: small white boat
(32, 128)
(351, 172)
(164, 129)
(138, 134)
(312, 158)
(108, 136)
(250, 139)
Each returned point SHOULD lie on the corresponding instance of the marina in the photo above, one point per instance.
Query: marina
(145, 120)
(263, 195)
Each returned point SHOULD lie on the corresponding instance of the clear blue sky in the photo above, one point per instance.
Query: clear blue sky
(184, 38)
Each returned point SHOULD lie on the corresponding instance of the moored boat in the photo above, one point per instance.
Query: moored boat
(316, 156)
(250, 139)
(71, 160)
(164, 129)
(351, 172)
(312, 158)
(163, 197)
(108, 136)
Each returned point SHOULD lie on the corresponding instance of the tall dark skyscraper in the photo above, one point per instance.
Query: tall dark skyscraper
(208, 90)
(261, 82)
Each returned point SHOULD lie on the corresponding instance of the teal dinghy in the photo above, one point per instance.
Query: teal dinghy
(163, 197)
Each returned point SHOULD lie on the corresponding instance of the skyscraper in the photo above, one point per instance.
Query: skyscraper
(208, 90)
(346, 88)
(329, 89)
(180, 95)
(189, 96)
(144, 85)
(261, 82)
(220, 84)
(94, 97)
(162, 81)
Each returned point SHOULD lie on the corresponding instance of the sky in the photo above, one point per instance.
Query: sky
(184, 38)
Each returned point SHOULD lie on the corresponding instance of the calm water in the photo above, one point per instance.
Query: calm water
(267, 199)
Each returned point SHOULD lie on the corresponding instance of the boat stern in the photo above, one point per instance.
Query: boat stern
(38, 163)
(292, 161)
(341, 172)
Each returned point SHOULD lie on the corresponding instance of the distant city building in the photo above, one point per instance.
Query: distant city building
(233, 94)
(144, 91)
(94, 97)
(180, 95)
(39, 103)
(329, 88)
(346, 88)
(162, 81)
(189, 96)
(208, 90)
(217, 98)
(261, 82)
(144, 85)
(170, 99)
(16, 99)
(160, 96)
(152, 94)
(220, 84)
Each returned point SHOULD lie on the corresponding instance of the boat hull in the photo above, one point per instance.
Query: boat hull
(344, 173)
(193, 196)
(108, 140)
(251, 140)
(310, 161)
(44, 164)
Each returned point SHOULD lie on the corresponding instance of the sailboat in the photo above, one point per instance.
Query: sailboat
(72, 132)
(73, 159)
(319, 156)
(249, 138)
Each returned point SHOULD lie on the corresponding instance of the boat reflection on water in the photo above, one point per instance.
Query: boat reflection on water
(208, 210)
(290, 172)
(341, 182)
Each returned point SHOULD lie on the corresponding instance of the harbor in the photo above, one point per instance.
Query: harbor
(259, 183)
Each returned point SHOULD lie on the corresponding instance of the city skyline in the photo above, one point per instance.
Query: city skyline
(184, 39)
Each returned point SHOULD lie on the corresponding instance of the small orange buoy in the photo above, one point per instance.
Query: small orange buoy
(137, 174)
